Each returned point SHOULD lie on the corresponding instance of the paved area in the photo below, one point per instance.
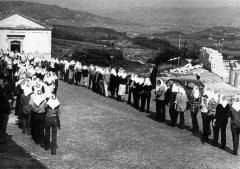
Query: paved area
(101, 133)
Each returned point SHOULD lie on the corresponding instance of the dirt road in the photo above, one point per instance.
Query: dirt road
(101, 133)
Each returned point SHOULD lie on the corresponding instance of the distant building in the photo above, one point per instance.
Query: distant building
(21, 33)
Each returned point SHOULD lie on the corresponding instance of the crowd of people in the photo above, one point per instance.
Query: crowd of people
(34, 83)
(31, 90)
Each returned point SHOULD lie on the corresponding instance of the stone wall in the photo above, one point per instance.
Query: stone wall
(213, 61)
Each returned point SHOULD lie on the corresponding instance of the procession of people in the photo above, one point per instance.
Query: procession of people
(29, 85)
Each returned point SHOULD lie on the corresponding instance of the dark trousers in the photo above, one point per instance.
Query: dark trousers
(3, 123)
(175, 117)
(172, 113)
(145, 98)
(195, 126)
(129, 96)
(216, 130)
(51, 123)
(17, 103)
(3, 127)
(90, 81)
(235, 136)
(38, 120)
(206, 121)
(136, 99)
(160, 110)
(10, 72)
(26, 122)
(66, 76)
(112, 91)
(78, 77)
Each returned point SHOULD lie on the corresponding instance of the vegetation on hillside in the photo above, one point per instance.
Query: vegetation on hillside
(151, 43)
(89, 34)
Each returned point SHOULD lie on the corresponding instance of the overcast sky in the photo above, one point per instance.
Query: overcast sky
(123, 4)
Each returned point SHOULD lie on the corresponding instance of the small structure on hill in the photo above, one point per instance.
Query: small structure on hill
(20, 33)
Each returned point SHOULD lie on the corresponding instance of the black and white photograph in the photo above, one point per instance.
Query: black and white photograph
(119, 84)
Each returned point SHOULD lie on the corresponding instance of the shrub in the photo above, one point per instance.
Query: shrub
(151, 43)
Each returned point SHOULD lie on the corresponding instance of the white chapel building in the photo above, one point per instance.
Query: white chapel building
(21, 33)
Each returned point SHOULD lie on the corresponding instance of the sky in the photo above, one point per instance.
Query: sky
(126, 4)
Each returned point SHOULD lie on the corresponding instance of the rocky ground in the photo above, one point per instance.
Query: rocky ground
(102, 133)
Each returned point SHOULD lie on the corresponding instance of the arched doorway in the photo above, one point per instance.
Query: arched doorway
(16, 46)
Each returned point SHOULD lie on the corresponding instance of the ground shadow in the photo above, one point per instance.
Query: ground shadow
(197, 134)
(14, 156)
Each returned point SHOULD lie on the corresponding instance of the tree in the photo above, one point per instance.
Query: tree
(193, 52)
(166, 54)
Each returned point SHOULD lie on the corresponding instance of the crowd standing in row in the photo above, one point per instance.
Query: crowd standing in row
(34, 82)
(33, 90)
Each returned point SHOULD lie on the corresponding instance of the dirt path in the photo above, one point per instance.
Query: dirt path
(102, 133)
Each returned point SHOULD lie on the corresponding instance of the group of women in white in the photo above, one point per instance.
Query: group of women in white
(35, 90)
(116, 83)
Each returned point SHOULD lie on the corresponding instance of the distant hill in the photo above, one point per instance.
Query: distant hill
(169, 19)
(218, 32)
(54, 15)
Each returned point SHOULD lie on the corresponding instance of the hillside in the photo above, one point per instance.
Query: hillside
(88, 34)
(225, 39)
(172, 18)
(54, 15)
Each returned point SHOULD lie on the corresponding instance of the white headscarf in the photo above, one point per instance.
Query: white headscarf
(174, 88)
(72, 62)
(132, 77)
(141, 80)
(147, 82)
(27, 89)
(113, 72)
(119, 73)
(78, 66)
(207, 91)
(91, 67)
(19, 82)
(223, 101)
(195, 92)
(53, 102)
(236, 103)
(181, 90)
(215, 96)
(124, 74)
(161, 84)
(106, 72)
(38, 86)
(38, 97)
(135, 78)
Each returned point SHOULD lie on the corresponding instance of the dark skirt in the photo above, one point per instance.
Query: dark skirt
(78, 76)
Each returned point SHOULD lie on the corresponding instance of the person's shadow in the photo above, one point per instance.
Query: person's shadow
(197, 134)
(14, 156)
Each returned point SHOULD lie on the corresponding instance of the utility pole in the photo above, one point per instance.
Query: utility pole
(179, 44)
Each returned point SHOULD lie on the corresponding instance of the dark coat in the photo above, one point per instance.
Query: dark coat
(222, 115)
(147, 90)
(4, 104)
(235, 116)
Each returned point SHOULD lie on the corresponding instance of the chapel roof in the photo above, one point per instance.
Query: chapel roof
(7, 14)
